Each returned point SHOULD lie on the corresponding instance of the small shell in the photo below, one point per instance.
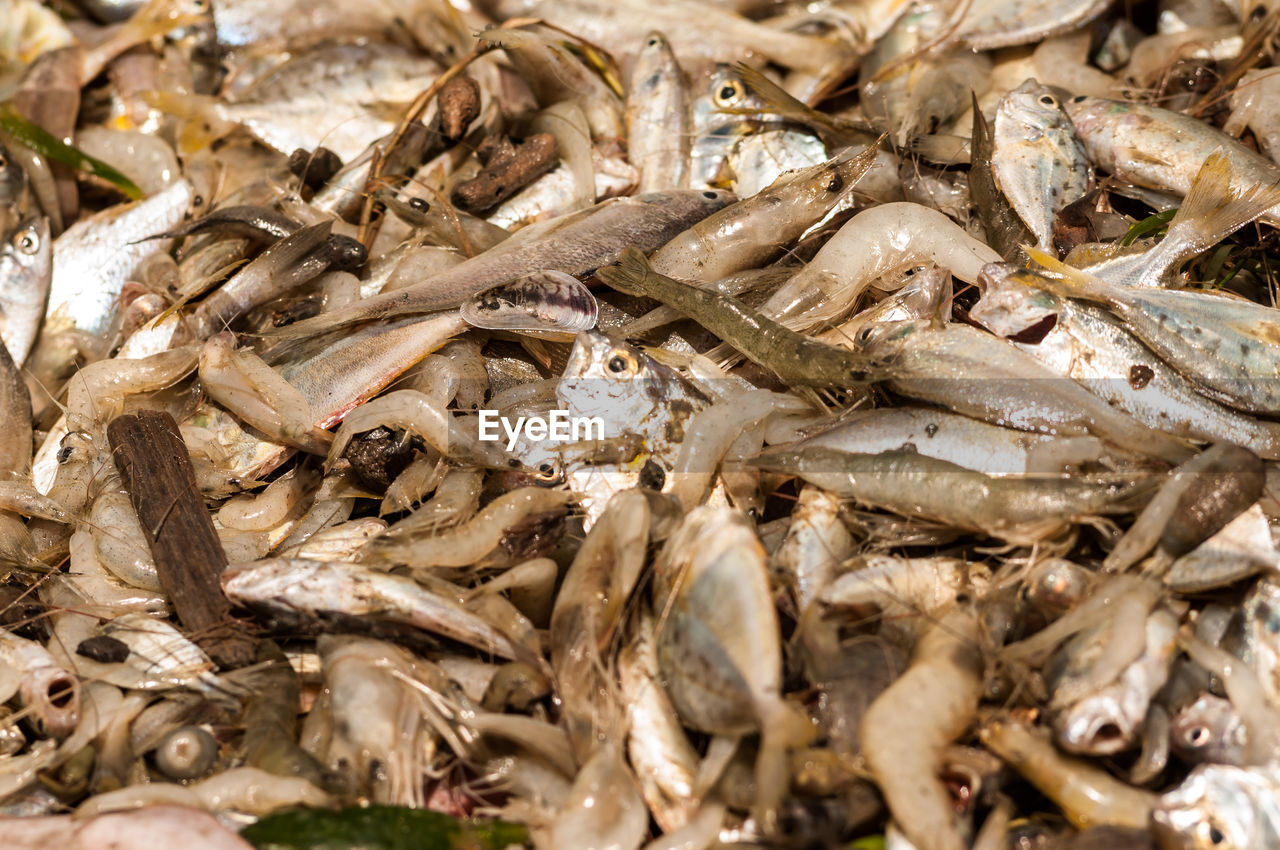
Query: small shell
(543, 301)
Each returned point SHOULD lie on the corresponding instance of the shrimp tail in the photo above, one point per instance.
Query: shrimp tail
(1216, 205)
(629, 274)
(200, 121)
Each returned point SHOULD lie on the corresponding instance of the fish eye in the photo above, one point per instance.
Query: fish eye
(1048, 100)
(28, 242)
(419, 204)
(728, 93)
(621, 362)
(1209, 835)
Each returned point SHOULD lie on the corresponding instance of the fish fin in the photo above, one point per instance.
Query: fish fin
(782, 103)
(201, 123)
(1216, 206)
(1066, 281)
(629, 273)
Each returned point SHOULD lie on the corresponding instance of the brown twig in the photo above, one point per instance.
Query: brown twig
(155, 466)
(368, 227)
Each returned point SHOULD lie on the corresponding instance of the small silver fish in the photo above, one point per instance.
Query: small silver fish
(1221, 806)
(1209, 730)
(1038, 161)
(26, 269)
(658, 118)
(94, 257)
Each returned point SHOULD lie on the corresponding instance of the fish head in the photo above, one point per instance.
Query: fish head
(1009, 306)
(629, 390)
(28, 246)
(1030, 111)
(1097, 123)
(715, 107)
(1208, 730)
(1218, 807)
(1097, 725)
(690, 204)
(26, 264)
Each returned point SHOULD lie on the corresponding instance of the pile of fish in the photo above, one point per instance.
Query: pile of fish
(668, 424)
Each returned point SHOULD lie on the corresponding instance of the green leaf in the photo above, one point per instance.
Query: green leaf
(379, 828)
(1213, 268)
(45, 144)
(868, 842)
(1152, 225)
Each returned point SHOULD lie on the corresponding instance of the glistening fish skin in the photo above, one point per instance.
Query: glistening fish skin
(1159, 148)
(26, 269)
(94, 257)
(577, 244)
(1089, 346)
(1038, 161)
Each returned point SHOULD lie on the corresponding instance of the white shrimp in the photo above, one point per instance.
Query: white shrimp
(870, 246)
(906, 729)
(240, 381)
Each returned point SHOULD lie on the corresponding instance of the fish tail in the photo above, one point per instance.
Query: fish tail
(1216, 205)
(629, 274)
(200, 122)
(1065, 281)
(782, 728)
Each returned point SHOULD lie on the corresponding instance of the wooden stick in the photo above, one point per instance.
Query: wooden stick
(153, 460)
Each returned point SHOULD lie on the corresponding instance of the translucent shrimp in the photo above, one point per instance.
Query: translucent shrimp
(468, 544)
(413, 411)
(869, 247)
(906, 729)
(710, 434)
(282, 498)
(240, 381)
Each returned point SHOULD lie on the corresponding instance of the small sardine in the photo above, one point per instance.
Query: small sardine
(1162, 149)
(1221, 805)
(1227, 346)
(94, 257)
(26, 271)
(1089, 346)
(658, 118)
(1038, 161)
(577, 244)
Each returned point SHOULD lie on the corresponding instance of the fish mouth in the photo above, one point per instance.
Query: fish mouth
(54, 699)
(1100, 735)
